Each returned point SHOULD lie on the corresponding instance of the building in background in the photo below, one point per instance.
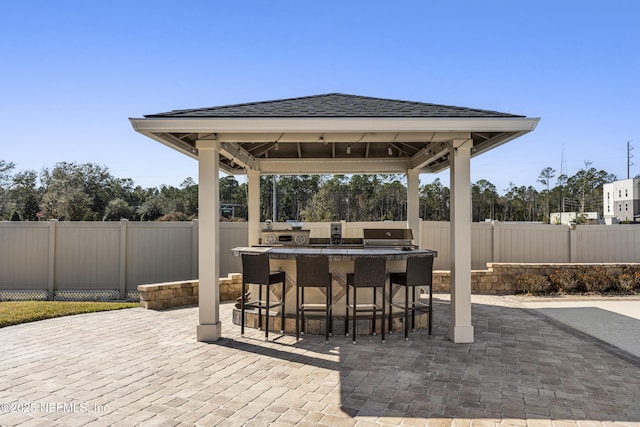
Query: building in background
(573, 218)
(621, 201)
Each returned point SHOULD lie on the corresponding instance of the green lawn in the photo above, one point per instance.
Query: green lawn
(16, 312)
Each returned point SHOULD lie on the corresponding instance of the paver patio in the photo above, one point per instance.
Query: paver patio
(143, 367)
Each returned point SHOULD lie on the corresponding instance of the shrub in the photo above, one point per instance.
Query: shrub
(595, 279)
(174, 216)
(628, 280)
(532, 283)
(592, 279)
(564, 281)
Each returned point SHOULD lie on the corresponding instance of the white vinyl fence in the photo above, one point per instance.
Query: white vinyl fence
(102, 260)
(108, 260)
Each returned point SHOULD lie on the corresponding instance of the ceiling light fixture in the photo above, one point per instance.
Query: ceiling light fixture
(390, 151)
(277, 146)
(233, 162)
(349, 149)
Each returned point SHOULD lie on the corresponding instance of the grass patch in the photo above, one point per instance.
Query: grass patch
(16, 312)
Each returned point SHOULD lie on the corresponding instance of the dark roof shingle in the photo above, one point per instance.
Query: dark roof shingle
(332, 105)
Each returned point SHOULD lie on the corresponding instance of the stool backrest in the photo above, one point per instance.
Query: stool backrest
(312, 270)
(370, 271)
(419, 270)
(255, 269)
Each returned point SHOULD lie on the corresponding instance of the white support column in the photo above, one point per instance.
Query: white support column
(413, 203)
(209, 327)
(253, 202)
(460, 328)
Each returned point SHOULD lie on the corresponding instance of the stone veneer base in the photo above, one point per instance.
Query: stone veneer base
(316, 325)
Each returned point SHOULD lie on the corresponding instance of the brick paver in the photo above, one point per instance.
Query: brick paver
(142, 367)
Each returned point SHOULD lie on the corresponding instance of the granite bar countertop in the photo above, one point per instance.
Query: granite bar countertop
(335, 253)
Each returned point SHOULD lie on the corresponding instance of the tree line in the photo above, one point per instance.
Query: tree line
(89, 192)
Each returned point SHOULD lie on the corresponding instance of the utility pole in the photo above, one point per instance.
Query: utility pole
(563, 172)
(275, 208)
(629, 157)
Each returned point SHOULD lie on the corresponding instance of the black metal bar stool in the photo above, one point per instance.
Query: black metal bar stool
(418, 274)
(312, 271)
(368, 272)
(255, 270)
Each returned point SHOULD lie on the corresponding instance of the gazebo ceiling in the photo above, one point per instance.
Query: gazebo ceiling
(333, 133)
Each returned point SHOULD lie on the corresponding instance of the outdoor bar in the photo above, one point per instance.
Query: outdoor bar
(282, 247)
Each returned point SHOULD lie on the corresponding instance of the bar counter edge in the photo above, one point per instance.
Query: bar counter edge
(334, 254)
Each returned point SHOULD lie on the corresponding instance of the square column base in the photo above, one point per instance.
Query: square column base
(461, 334)
(209, 333)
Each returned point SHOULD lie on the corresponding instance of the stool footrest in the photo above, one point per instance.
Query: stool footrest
(262, 304)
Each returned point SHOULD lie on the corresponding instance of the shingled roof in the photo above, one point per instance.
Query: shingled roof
(333, 133)
(332, 105)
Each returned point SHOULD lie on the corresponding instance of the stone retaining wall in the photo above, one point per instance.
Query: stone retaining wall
(175, 294)
(491, 281)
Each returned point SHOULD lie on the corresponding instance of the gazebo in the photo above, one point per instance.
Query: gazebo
(333, 134)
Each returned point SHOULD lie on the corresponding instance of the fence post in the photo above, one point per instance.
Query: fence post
(123, 258)
(194, 248)
(51, 273)
(573, 245)
(495, 241)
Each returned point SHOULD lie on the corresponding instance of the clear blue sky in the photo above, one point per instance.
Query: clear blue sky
(72, 72)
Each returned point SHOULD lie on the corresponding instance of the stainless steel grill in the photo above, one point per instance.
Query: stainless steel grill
(388, 238)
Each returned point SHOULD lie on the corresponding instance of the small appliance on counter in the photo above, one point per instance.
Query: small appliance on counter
(336, 233)
(294, 237)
